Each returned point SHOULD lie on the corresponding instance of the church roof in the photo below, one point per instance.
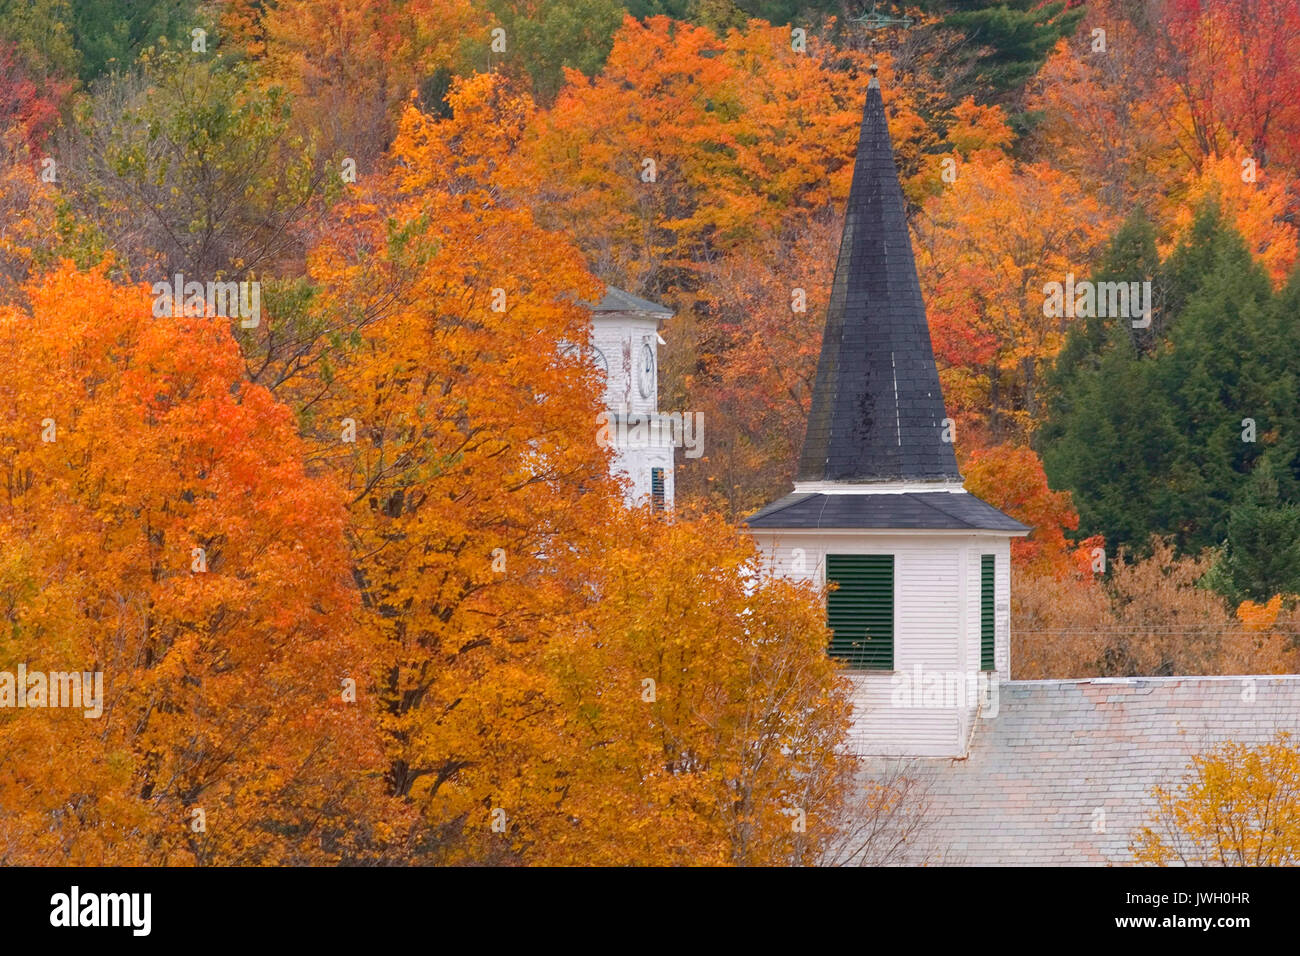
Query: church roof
(616, 300)
(913, 511)
(877, 407)
(1063, 774)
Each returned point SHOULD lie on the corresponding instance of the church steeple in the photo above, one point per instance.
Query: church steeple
(877, 408)
(917, 569)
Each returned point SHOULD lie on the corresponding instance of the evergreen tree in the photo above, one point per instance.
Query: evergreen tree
(548, 37)
(1016, 36)
(110, 35)
(1188, 266)
(1280, 341)
(89, 38)
(1215, 374)
(1160, 441)
(1262, 556)
(795, 11)
(1114, 448)
(715, 13)
(677, 9)
(1130, 257)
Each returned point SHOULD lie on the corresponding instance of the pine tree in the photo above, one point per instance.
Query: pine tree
(109, 36)
(1130, 257)
(1280, 340)
(1017, 35)
(1216, 374)
(1114, 448)
(1262, 557)
(545, 39)
(1197, 407)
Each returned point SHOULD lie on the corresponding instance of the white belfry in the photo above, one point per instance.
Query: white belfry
(625, 346)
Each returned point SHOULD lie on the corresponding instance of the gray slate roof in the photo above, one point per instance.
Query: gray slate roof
(616, 300)
(921, 511)
(1058, 752)
(877, 408)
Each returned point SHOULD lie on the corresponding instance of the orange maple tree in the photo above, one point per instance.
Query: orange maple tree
(691, 143)
(473, 474)
(986, 247)
(158, 527)
(1253, 201)
(1010, 477)
(483, 524)
(351, 64)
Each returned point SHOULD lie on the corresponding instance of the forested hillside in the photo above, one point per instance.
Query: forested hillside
(353, 563)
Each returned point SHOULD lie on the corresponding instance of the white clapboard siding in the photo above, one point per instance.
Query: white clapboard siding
(927, 613)
(619, 338)
(880, 729)
(636, 463)
(1002, 609)
(936, 626)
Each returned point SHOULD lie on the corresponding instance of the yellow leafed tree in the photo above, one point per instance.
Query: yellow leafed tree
(1239, 807)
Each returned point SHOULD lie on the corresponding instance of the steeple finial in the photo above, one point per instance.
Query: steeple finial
(878, 21)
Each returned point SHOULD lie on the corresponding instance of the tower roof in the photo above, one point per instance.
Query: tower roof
(917, 511)
(877, 407)
(620, 302)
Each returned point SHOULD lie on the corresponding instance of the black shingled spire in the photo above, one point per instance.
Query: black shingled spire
(877, 408)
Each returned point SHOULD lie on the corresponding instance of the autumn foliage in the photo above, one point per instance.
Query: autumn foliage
(395, 610)
(1240, 806)
(159, 526)
(357, 577)
(1147, 617)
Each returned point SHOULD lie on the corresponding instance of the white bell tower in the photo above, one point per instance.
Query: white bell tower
(625, 345)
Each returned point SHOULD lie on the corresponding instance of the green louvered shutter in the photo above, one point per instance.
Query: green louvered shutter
(861, 610)
(986, 613)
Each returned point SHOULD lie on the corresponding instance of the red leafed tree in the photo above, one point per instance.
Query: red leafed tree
(1235, 68)
(30, 104)
(1011, 478)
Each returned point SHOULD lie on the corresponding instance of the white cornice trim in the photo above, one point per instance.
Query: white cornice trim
(658, 318)
(877, 488)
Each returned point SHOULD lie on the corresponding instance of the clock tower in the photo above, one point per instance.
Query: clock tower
(625, 344)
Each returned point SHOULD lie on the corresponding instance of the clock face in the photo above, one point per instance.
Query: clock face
(597, 357)
(647, 370)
